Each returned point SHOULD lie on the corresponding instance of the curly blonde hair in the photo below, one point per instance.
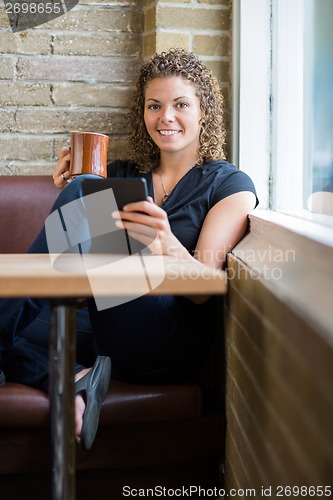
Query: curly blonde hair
(177, 62)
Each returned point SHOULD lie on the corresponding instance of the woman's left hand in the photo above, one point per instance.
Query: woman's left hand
(148, 223)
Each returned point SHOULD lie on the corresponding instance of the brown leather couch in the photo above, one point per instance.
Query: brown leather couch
(150, 435)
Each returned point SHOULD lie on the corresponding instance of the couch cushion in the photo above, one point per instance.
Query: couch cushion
(20, 226)
(133, 403)
(22, 406)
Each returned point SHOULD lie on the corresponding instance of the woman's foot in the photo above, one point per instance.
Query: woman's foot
(91, 387)
(79, 406)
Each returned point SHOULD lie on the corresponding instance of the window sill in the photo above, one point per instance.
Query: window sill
(294, 259)
(316, 227)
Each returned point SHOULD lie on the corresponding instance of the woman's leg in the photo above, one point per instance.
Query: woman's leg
(154, 338)
(21, 360)
(28, 364)
(37, 333)
(17, 314)
(73, 216)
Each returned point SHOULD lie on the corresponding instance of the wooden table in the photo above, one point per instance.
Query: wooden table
(63, 280)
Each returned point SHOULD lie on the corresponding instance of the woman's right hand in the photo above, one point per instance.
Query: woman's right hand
(148, 223)
(61, 171)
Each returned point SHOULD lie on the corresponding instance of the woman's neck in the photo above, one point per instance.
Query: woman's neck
(172, 166)
(166, 178)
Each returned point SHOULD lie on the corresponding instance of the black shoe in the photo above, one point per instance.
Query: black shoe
(2, 378)
(94, 386)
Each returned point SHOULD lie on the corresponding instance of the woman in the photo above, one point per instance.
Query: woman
(197, 209)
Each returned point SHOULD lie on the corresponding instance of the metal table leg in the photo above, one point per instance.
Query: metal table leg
(62, 362)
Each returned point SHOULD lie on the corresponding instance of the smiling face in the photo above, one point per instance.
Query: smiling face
(172, 116)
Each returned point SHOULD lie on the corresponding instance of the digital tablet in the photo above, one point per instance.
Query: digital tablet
(125, 189)
(105, 236)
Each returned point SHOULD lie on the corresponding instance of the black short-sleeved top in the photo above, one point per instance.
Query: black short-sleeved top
(194, 195)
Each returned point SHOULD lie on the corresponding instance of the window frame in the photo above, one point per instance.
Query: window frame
(262, 141)
(250, 95)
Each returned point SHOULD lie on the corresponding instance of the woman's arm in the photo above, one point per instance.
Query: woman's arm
(224, 226)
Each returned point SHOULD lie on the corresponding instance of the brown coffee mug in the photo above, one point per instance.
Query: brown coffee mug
(89, 152)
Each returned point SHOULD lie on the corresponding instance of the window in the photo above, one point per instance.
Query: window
(283, 54)
(319, 96)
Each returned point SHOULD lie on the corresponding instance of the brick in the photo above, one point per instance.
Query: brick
(58, 142)
(251, 422)
(19, 147)
(226, 92)
(25, 42)
(7, 68)
(182, 17)
(24, 94)
(230, 478)
(4, 21)
(165, 41)
(161, 2)
(97, 44)
(33, 168)
(117, 3)
(91, 95)
(98, 18)
(6, 120)
(150, 19)
(39, 120)
(215, 2)
(212, 45)
(5, 169)
(149, 45)
(235, 469)
(248, 444)
(220, 69)
(118, 148)
(79, 68)
(254, 473)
